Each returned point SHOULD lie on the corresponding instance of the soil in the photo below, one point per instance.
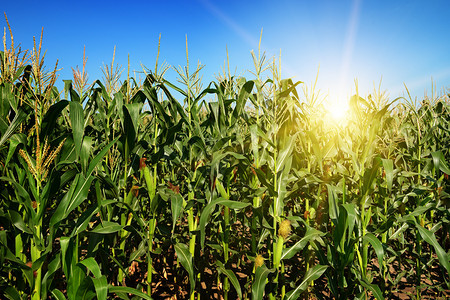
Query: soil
(170, 281)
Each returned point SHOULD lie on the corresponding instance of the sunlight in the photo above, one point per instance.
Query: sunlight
(338, 102)
(337, 107)
(338, 111)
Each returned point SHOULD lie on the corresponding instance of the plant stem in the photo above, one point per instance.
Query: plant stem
(35, 252)
(151, 232)
(225, 247)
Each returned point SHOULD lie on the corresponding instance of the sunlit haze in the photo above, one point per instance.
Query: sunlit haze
(396, 42)
(338, 109)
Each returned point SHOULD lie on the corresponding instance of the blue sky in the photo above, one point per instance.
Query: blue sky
(402, 42)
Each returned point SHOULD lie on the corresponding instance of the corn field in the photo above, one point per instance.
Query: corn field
(241, 188)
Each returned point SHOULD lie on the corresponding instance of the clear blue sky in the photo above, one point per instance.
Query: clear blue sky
(404, 42)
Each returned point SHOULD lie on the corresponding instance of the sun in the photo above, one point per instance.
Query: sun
(338, 109)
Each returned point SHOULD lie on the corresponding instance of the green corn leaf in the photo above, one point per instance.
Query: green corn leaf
(139, 97)
(101, 287)
(221, 189)
(107, 227)
(80, 194)
(140, 251)
(388, 165)
(370, 175)
(233, 279)
(17, 221)
(430, 238)
(333, 205)
(373, 288)
(311, 234)
(77, 121)
(185, 258)
(24, 198)
(286, 153)
(84, 290)
(439, 162)
(85, 152)
(264, 180)
(11, 293)
(288, 87)
(175, 88)
(58, 294)
(59, 213)
(283, 181)
(173, 131)
(79, 285)
(92, 265)
(151, 184)
(157, 109)
(351, 211)
(9, 101)
(117, 107)
(74, 274)
(51, 116)
(318, 155)
(313, 274)
(131, 123)
(127, 290)
(53, 266)
(339, 236)
(83, 220)
(204, 218)
(9, 255)
(18, 73)
(65, 255)
(20, 117)
(199, 142)
(233, 204)
(40, 261)
(258, 132)
(255, 143)
(97, 159)
(244, 93)
(176, 201)
(417, 212)
(259, 283)
(68, 87)
(74, 97)
(377, 246)
(206, 212)
(218, 157)
(14, 141)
